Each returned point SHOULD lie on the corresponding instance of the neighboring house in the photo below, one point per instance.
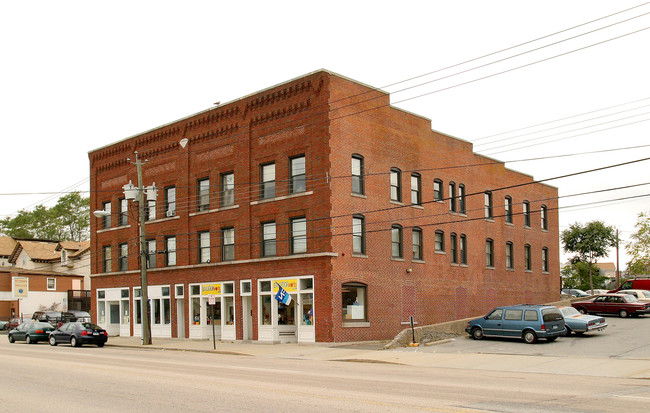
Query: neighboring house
(607, 269)
(7, 246)
(359, 211)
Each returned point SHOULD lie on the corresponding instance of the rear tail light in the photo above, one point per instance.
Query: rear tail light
(105, 333)
(39, 331)
(543, 326)
(84, 333)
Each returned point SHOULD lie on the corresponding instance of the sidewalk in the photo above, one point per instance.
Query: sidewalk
(409, 356)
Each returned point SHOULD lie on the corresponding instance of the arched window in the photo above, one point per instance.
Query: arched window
(358, 234)
(463, 249)
(437, 190)
(357, 174)
(396, 241)
(508, 209)
(526, 210)
(510, 263)
(418, 251)
(452, 196)
(416, 189)
(440, 241)
(489, 253)
(395, 185)
(453, 247)
(528, 265)
(543, 216)
(354, 298)
(461, 199)
(545, 259)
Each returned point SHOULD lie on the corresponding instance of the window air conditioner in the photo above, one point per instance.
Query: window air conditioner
(171, 213)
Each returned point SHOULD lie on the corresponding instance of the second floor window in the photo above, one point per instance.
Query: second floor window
(437, 190)
(106, 221)
(545, 259)
(358, 234)
(268, 181)
(463, 249)
(395, 185)
(528, 265)
(452, 196)
(396, 241)
(453, 248)
(416, 189)
(357, 175)
(150, 210)
(227, 189)
(170, 201)
(489, 253)
(268, 239)
(543, 216)
(204, 247)
(417, 244)
(526, 211)
(462, 206)
(106, 259)
(297, 182)
(124, 212)
(298, 235)
(488, 205)
(123, 260)
(151, 253)
(170, 251)
(203, 194)
(508, 209)
(510, 264)
(440, 241)
(227, 244)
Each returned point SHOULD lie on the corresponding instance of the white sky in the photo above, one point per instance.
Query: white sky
(78, 75)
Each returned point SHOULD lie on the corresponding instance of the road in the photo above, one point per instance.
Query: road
(113, 379)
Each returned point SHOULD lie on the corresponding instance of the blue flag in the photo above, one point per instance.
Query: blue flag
(283, 296)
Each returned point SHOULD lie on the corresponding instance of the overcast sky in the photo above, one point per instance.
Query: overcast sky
(78, 75)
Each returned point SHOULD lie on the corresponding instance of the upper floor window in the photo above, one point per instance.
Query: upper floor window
(51, 283)
(123, 259)
(488, 205)
(203, 194)
(297, 181)
(204, 247)
(508, 209)
(463, 249)
(124, 212)
(227, 189)
(106, 221)
(298, 235)
(227, 244)
(526, 210)
(452, 196)
(395, 185)
(416, 189)
(417, 244)
(268, 181)
(528, 265)
(151, 253)
(268, 239)
(150, 210)
(170, 251)
(510, 264)
(396, 241)
(440, 241)
(106, 258)
(453, 247)
(489, 253)
(462, 206)
(357, 175)
(543, 216)
(170, 201)
(358, 234)
(437, 190)
(545, 259)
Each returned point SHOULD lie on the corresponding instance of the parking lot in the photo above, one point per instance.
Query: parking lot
(624, 338)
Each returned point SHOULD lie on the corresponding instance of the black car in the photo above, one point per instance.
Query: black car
(78, 333)
(52, 317)
(31, 332)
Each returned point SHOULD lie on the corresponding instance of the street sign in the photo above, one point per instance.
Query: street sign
(212, 299)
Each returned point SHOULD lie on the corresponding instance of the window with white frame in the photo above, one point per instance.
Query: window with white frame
(298, 235)
(510, 264)
(396, 241)
(358, 234)
(170, 201)
(357, 175)
(437, 190)
(170, 251)
(123, 259)
(268, 239)
(204, 247)
(526, 211)
(51, 283)
(354, 298)
(395, 185)
(416, 189)
(227, 189)
(124, 212)
(203, 194)
(106, 221)
(297, 181)
(489, 253)
(452, 196)
(267, 184)
(417, 244)
(227, 244)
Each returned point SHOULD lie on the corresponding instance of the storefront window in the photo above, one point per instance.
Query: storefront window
(156, 311)
(287, 313)
(126, 313)
(138, 311)
(101, 312)
(307, 318)
(230, 310)
(265, 305)
(167, 314)
(196, 310)
(354, 301)
(214, 313)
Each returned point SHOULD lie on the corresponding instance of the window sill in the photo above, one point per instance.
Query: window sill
(544, 229)
(392, 201)
(545, 272)
(441, 252)
(281, 198)
(489, 219)
(358, 195)
(355, 324)
(359, 255)
(510, 269)
(529, 271)
(527, 227)
(510, 224)
(99, 231)
(418, 261)
(464, 265)
(489, 268)
(417, 206)
(193, 214)
(163, 219)
(397, 259)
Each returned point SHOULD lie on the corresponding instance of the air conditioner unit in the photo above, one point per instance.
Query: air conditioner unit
(171, 213)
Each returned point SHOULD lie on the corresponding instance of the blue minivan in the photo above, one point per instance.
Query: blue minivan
(526, 321)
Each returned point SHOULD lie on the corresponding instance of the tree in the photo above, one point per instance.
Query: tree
(589, 242)
(639, 246)
(576, 275)
(68, 220)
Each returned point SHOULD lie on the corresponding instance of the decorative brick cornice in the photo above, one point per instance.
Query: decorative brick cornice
(280, 113)
(224, 130)
(279, 95)
(212, 117)
(156, 136)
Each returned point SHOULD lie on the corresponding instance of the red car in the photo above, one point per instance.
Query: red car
(621, 304)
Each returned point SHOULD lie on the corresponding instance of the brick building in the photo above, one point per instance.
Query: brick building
(360, 211)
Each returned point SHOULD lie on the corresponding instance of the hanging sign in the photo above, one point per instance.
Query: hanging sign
(20, 286)
(211, 289)
(290, 286)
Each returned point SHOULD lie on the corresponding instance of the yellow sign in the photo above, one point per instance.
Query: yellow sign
(20, 286)
(211, 289)
(290, 286)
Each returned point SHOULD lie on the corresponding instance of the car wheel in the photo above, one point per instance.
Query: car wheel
(477, 334)
(11, 339)
(582, 310)
(551, 339)
(623, 313)
(74, 342)
(100, 344)
(530, 337)
(52, 341)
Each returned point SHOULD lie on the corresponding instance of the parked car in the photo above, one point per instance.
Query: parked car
(13, 323)
(641, 295)
(526, 321)
(621, 304)
(579, 323)
(4, 325)
(52, 317)
(639, 283)
(596, 292)
(574, 292)
(31, 332)
(77, 333)
(74, 315)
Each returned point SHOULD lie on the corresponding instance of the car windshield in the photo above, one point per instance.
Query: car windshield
(91, 326)
(551, 314)
(645, 293)
(42, 325)
(569, 311)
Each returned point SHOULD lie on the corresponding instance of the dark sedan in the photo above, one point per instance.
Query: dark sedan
(31, 332)
(621, 304)
(78, 333)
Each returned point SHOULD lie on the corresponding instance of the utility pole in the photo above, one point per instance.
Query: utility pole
(144, 285)
(618, 273)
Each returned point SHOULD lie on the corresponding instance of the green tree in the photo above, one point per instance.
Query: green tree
(68, 220)
(589, 242)
(576, 275)
(639, 247)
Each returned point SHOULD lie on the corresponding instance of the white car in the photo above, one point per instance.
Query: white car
(579, 323)
(641, 295)
(596, 292)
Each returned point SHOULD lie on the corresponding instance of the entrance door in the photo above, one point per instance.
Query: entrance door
(247, 317)
(180, 318)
